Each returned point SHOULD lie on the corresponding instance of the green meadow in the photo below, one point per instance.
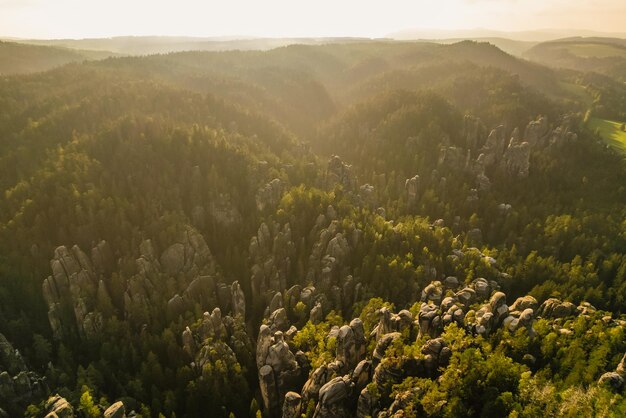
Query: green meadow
(611, 132)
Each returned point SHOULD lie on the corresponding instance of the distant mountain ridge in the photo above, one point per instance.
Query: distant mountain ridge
(147, 45)
(539, 35)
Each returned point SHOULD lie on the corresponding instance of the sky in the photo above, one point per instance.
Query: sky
(293, 18)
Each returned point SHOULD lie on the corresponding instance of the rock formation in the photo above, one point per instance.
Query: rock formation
(78, 295)
(270, 194)
(18, 385)
(412, 187)
(615, 380)
(116, 410)
(279, 370)
(58, 407)
(339, 172)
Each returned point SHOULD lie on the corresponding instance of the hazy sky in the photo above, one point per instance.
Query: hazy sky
(95, 18)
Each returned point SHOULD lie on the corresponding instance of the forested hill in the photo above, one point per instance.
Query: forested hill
(358, 229)
(18, 58)
(601, 55)
(301, 85)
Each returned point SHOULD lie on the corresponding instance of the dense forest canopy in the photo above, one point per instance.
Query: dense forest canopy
(347, 229)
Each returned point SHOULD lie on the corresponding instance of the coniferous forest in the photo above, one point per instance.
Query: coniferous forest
(347, 228)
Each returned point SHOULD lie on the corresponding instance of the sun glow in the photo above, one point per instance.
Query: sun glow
(275, 18)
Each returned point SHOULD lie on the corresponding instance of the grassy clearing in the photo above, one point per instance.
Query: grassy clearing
(611, 132)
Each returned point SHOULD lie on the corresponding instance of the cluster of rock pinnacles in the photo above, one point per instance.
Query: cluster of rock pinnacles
(288, 384)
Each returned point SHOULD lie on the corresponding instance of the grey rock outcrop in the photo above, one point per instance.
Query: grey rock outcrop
(117, 410)
(271, 253)
(612, 379)
(536, 131)
(615, 380)
(19, 386)
(436, 354)
(523, 303)
(494, 147)
(367, 405)
(554, 308)
(269, 391)
(78, 291)
(279, 370)
(339, 172)
(474, 132)
(238, 305)
(332, 398)
(292, 405)
(516, 159)
(519, 320)
(433, 292)
(412, 189)
(346, 346)
(317, 379)
(223, 211)
(429, 320)
(70, 293)
(367, 193)
(270, 194)
(58, 407)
